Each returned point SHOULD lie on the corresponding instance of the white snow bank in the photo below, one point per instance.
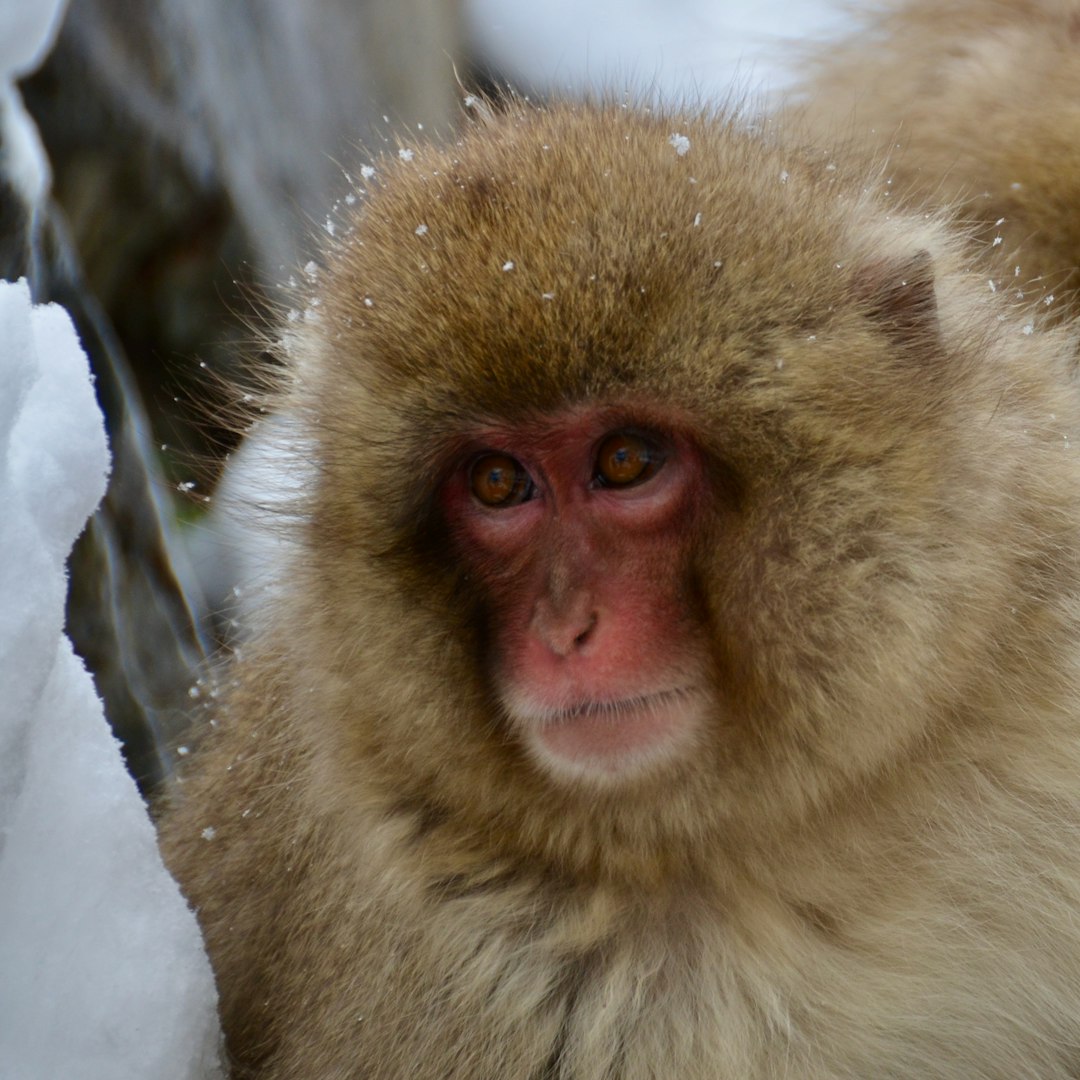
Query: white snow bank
(102, 971)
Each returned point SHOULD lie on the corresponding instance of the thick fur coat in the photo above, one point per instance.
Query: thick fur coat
(870, 868)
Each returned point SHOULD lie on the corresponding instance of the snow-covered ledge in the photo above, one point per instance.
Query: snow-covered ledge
(104, 974)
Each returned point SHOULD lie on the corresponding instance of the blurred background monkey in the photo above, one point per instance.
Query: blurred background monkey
(975, 105)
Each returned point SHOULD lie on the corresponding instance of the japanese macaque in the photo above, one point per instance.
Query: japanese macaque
(975, 103)
(679, 676)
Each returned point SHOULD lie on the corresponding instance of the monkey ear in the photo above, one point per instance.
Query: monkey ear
(899, 295)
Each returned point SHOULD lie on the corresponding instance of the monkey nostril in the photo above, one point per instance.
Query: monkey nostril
(562, 632)
(587, 632)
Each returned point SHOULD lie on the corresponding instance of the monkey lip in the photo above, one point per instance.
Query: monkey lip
(604, 739)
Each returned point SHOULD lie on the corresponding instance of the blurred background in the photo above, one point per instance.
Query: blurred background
(196, 148)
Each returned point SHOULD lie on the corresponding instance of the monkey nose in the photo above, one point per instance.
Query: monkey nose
(564, 632)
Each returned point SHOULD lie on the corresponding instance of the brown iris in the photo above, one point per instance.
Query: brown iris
(625, 459)
(499, 480)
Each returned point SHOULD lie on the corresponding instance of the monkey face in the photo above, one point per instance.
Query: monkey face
(577, 528)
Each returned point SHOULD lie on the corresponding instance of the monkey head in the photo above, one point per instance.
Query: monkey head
(656, 492)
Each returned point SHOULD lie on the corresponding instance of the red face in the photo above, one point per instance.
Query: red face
(578, 530)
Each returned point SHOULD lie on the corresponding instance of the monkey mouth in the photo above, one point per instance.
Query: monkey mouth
(605, 739)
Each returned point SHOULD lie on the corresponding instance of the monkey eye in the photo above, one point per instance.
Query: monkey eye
(499, 481)
(625, 459)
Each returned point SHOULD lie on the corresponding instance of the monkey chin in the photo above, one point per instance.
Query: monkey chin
(607, 741)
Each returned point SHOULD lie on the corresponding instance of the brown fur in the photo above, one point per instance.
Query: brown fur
(977, 104)
(873, 867)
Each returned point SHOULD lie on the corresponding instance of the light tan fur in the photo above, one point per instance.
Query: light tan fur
(871, 866)
(976, 104)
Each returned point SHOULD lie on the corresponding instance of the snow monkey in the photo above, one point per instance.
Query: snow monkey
(679, 675)
(977, 103)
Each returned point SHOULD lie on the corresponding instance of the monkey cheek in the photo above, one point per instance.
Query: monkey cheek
(608, 741)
